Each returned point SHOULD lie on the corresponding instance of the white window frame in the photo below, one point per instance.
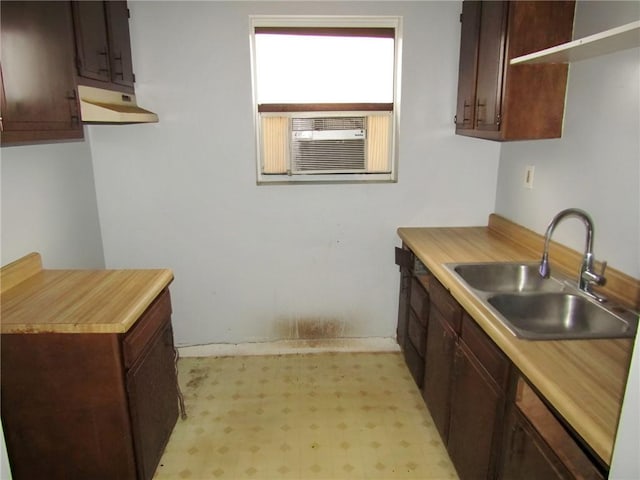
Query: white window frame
(341, 21)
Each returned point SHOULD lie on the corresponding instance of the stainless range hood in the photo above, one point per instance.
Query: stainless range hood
(105, 106)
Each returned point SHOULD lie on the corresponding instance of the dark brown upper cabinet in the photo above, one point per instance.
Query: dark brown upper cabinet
(103, 45)
(498, 101)
(37, 77)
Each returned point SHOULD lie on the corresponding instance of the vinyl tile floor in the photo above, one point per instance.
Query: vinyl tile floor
(303, 416)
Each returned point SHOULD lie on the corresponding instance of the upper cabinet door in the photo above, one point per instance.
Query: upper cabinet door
(470, 18)
(39, 100)
(493, 18)
(103, 44)
(119, 43)
(91, 40)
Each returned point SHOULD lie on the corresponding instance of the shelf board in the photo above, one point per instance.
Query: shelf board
(609, 41)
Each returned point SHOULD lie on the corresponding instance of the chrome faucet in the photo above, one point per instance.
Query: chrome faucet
(587, 277)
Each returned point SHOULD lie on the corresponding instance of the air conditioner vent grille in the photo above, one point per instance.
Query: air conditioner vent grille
(328, 123)
(328, 144)
(329, 155)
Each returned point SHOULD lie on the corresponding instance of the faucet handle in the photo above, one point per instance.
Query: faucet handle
(597, 278)
(603, 267)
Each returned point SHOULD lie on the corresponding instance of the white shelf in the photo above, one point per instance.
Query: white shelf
(609, 41)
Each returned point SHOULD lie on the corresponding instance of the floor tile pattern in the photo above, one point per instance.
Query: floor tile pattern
(315, 416)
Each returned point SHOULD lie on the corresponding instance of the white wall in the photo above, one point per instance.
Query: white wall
(49, 205)
(250, 261)
(595, 166)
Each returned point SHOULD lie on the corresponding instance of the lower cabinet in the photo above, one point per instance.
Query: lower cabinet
(90, 405)
(492, 422)
(464, 386)
(477, 403)
(527, 456)
(537, 445)
(442, 335)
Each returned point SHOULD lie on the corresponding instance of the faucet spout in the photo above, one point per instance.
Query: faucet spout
(587, 277)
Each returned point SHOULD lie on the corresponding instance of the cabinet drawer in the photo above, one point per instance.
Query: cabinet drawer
(417, 334)
(419, 301)
(443, 301)
(488, 354)
(146, 328)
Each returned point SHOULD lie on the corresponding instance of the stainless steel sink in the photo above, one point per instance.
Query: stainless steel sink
(506, 277)
(535, 308)
(560, 315)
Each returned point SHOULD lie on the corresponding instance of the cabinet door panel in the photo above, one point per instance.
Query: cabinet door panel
(91, 40)
(437, 373)
(527, 457)
(153, 401)
(490, 64)
(465, 111)
(419, 300)
(119, 43)
(38, 78)
(415, 363)
(417, 334)
(476, 411)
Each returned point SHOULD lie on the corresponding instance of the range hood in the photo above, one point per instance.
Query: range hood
(105, 106)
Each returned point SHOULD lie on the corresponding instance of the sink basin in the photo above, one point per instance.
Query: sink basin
(505, 277)
(546, 316)
(535, 308)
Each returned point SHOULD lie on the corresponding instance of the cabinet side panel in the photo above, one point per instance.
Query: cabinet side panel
(64, 408)
(404, 259)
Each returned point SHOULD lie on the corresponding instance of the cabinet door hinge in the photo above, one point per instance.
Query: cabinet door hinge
(128, 13)
(460, 18)
(133, 76)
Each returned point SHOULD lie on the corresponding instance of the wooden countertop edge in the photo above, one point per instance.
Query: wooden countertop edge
(600, 437)
(145, 298)
(29, 268)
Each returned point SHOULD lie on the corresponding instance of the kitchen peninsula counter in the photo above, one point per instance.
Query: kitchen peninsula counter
(89, 374)
(583, 380)
(34, 300)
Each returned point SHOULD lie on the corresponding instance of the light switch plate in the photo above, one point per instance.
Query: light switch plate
(528, 176)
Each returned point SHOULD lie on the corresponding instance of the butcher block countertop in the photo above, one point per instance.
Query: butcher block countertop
(34, 300)
(584, 380)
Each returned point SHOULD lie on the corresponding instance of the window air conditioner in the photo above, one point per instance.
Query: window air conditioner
(324, 143)
(328, 144)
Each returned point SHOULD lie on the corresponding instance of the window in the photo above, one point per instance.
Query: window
(325, 97)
